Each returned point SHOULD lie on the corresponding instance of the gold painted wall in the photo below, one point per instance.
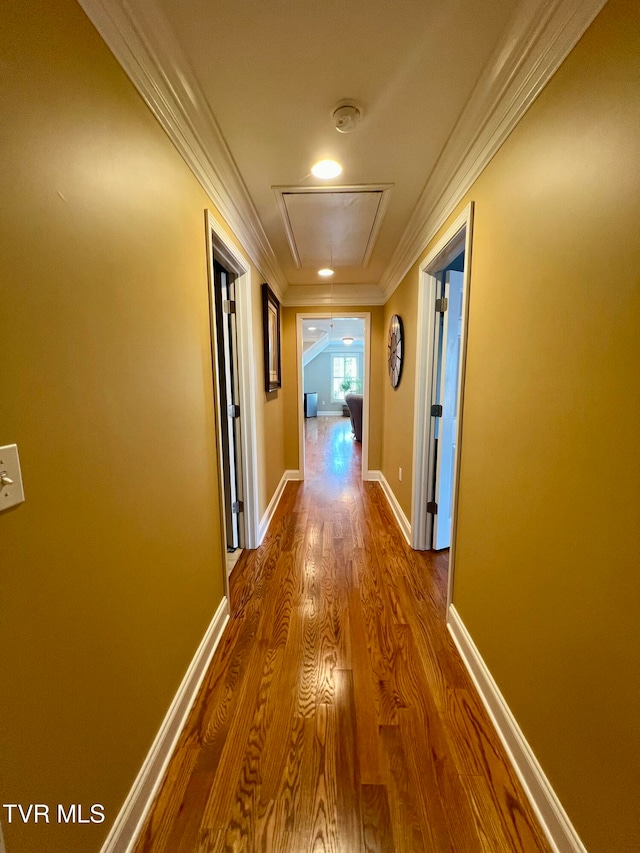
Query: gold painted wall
(270, 414)
(397, 444)
(547, 578)
(111, 570)
(290, 378)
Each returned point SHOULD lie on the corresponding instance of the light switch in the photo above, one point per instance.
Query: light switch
(11, 491)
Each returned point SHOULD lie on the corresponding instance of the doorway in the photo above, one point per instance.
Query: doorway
(444, 402)
(325, 336)
(443, 300)
(234, 391)
(226, 342)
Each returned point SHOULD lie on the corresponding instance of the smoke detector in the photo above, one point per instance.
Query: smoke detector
(346, 116)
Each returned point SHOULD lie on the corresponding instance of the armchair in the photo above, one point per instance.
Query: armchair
(354, 402)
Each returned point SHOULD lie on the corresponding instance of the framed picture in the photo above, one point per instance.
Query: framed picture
(271, 330)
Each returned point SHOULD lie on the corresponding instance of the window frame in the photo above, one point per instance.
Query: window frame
(337, 396)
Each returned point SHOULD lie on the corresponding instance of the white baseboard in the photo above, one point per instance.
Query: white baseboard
(275, 500)
(401, 518)
(554, 820)
(336, 414)
(128, 823)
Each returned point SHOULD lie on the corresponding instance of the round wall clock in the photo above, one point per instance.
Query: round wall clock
(394, 347)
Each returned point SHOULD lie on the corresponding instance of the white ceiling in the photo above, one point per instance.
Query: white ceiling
(246, 90)
(332, 226)
(335, 329)
(271, 71)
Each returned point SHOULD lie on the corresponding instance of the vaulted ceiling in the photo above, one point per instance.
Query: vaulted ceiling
(247, 89)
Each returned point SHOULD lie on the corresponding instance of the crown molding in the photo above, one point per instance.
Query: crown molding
(305, 295)
(541, 36)
(141, 40)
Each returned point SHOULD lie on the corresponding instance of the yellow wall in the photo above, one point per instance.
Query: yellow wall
(547, 578)
(398, 409)
(290, 378)
(270, 414)
(111, 570)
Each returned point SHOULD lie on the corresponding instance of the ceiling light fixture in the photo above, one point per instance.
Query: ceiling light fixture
(347, 340)
(326, 272)
(312, 328)
(326, 169)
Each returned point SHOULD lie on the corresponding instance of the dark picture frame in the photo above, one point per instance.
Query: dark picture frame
(271, 334)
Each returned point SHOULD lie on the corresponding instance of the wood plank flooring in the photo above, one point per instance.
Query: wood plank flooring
(336, 716)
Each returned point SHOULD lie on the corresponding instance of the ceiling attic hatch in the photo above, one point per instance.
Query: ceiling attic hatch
(337, 222)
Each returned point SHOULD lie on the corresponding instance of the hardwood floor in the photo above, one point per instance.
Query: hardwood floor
(336, 715)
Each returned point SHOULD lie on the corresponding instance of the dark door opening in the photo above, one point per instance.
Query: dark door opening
(226, 344)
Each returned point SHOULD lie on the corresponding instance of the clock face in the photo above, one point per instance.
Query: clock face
(394, 350)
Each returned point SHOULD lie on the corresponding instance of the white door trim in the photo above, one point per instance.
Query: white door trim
(319, 315)
(218, 241)
(456, 238)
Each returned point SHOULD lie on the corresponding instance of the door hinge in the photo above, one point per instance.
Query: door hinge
(436, 410)
(432, 508)
(237, 506)
(442, 304)
(233, 411)
(229, 306)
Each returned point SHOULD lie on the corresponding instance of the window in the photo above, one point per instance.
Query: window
(345, 367)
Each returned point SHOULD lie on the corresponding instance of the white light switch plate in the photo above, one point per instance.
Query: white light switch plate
(13, 494)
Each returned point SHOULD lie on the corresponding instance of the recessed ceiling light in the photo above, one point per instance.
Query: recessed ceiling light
(326, 272)
(326, 169)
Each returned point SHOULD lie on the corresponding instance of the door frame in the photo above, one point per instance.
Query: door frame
(219, 243)
(320, 315)
(457, 238)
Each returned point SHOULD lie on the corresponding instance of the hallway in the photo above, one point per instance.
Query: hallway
(143, 143)
(336, 715)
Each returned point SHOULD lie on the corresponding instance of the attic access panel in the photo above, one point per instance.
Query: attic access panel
(337, 225)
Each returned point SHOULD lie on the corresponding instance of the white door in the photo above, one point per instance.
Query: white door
(446, 395)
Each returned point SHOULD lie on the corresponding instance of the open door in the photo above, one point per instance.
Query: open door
(445, 403)
(440, 373)
(226, 344)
